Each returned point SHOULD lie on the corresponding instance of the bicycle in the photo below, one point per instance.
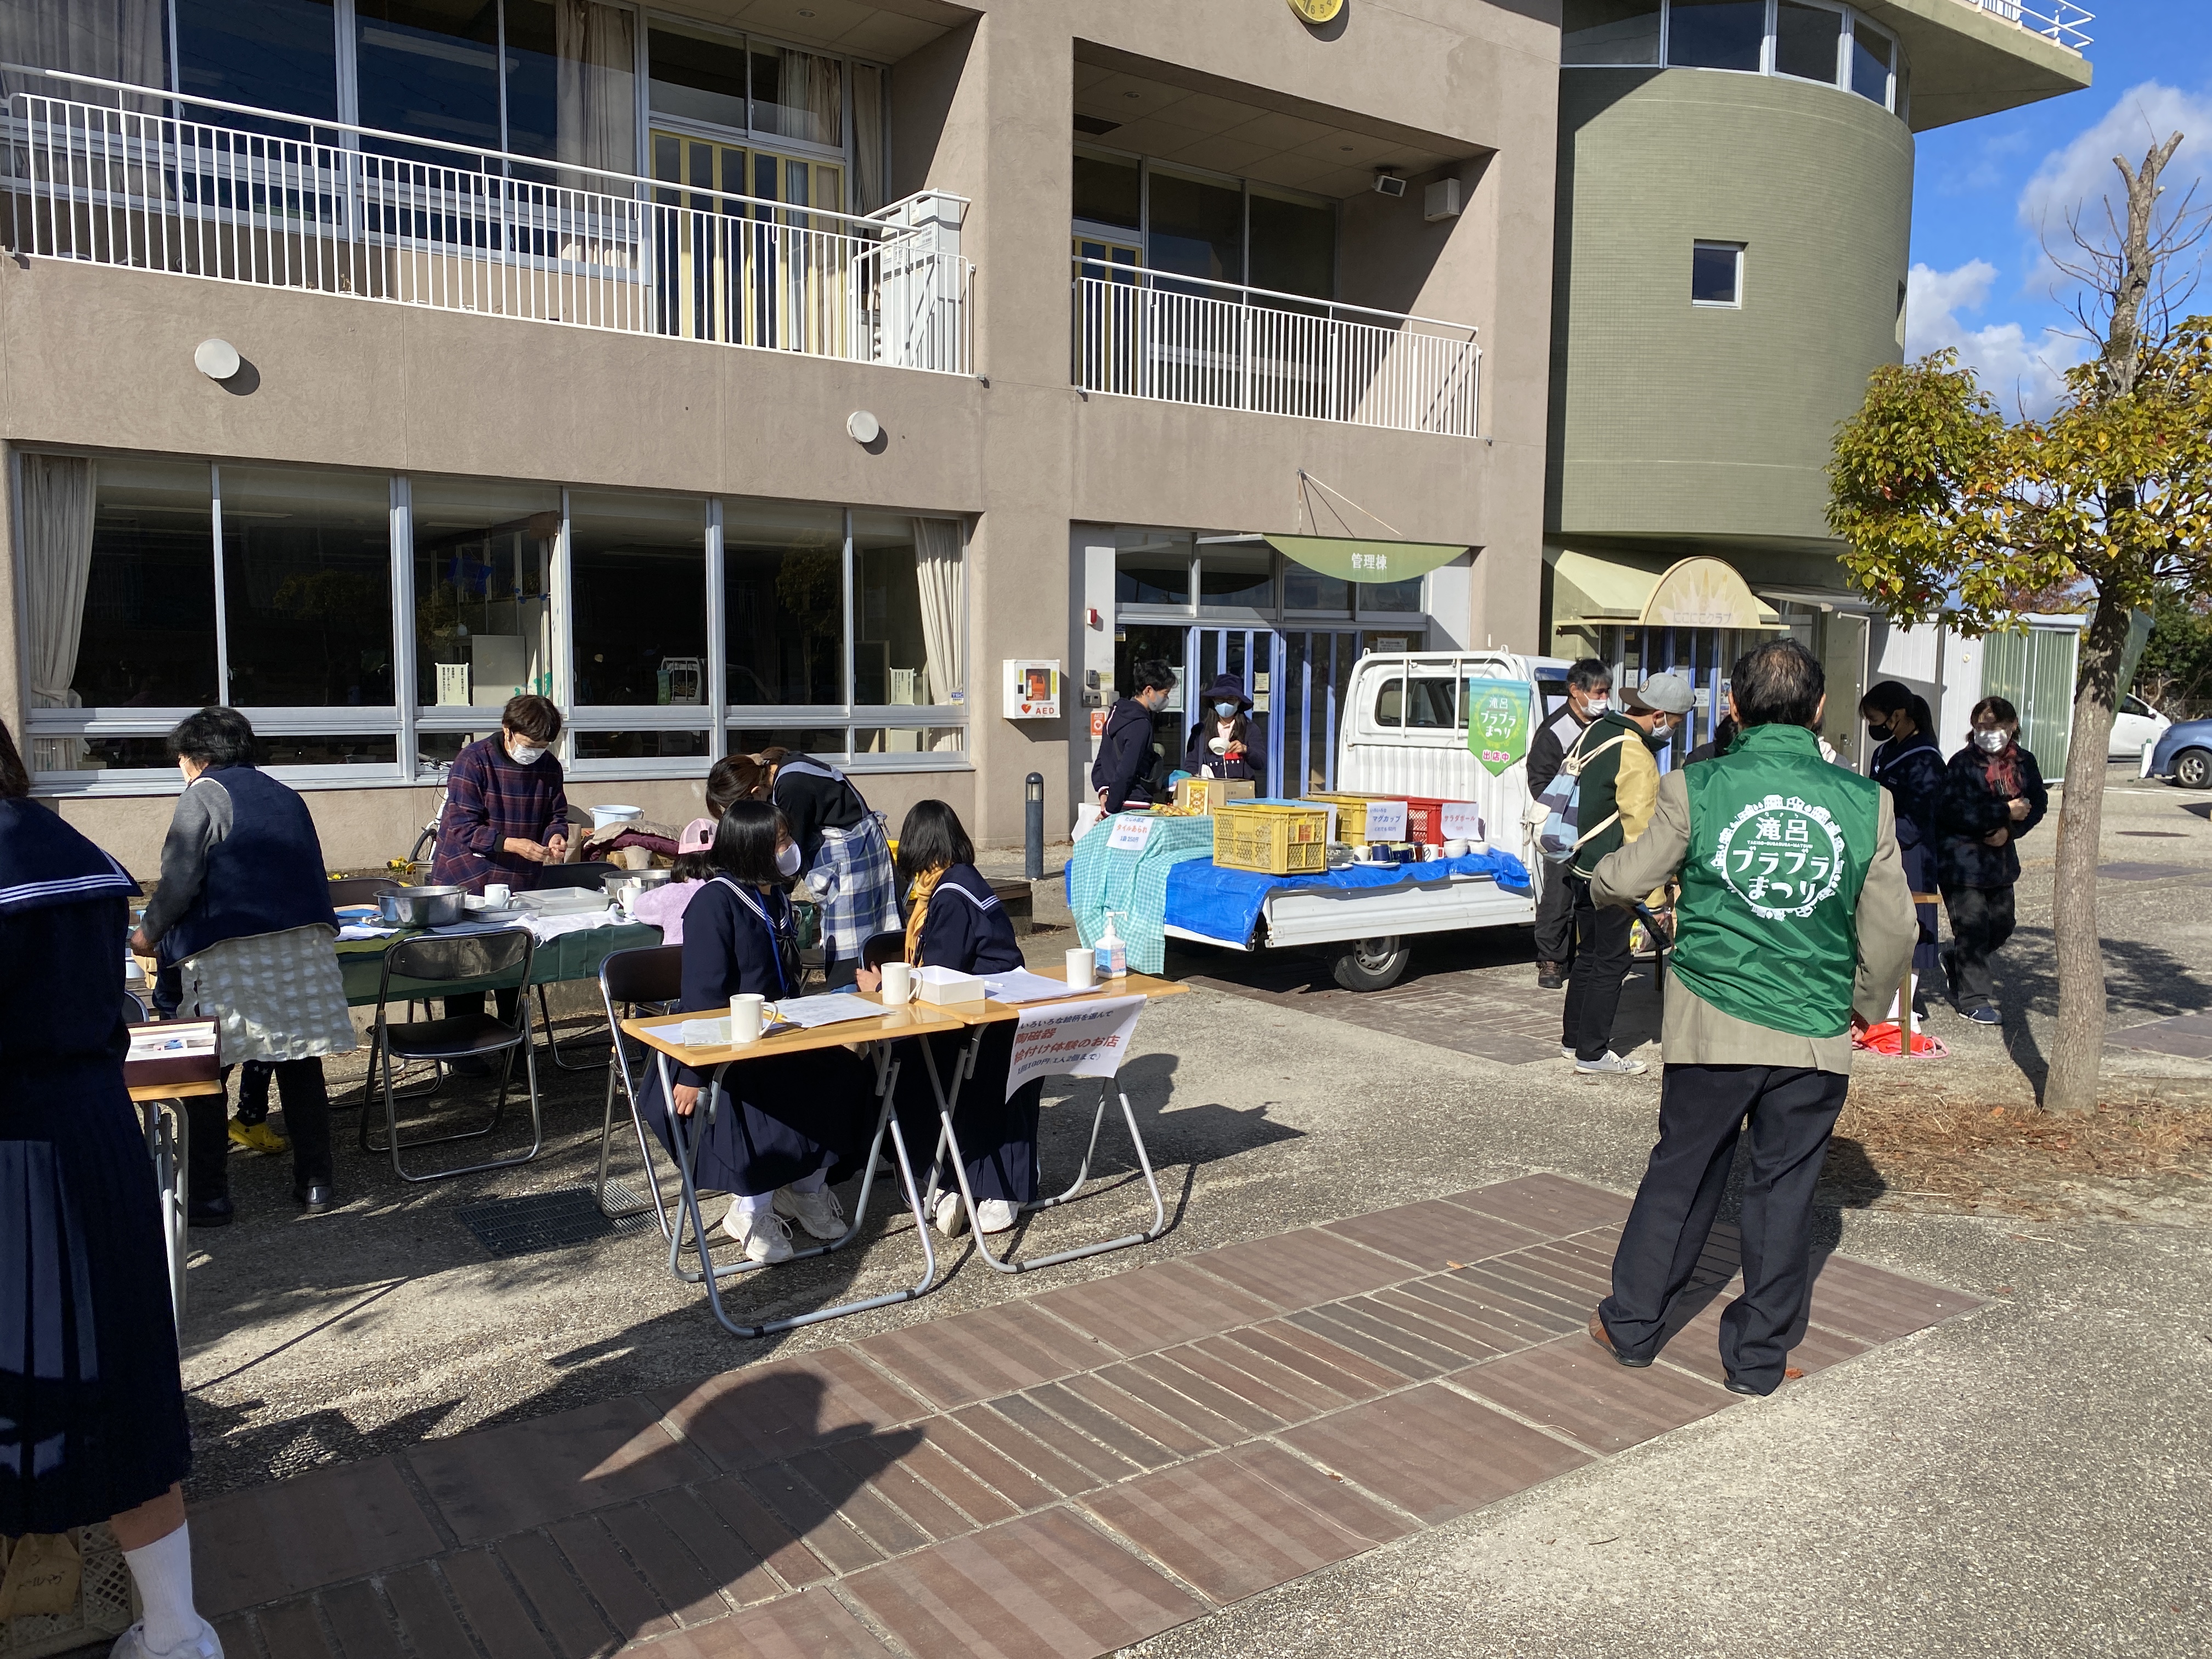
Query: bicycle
(426, 844)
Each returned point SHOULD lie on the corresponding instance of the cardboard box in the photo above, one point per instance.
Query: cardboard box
(178, 1051)
(1209, 795)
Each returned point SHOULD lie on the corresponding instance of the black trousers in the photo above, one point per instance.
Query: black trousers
(307, 1103)
(1981, 922)
(1702, 1111)
(1555, 918)
(1601, 962)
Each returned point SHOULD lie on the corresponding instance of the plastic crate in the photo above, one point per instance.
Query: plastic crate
(1275, 839)
(103, 1602)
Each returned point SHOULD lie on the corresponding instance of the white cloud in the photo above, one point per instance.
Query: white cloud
(2021, 374)
(2081, 178)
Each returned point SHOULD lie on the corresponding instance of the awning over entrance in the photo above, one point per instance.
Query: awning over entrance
(1695, 593)
(1352, 559)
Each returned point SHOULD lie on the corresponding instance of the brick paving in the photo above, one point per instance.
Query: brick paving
(1062, 1475)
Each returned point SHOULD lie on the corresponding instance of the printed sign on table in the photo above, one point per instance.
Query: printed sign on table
(1386, 820)
(1131, 831)
(1463, 821)
(1087, 1039)
(1497, 722)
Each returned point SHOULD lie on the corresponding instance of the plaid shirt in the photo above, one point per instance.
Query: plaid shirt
(490, 800)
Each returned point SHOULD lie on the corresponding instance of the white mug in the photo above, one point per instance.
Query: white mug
(1082, 969)
(745, 1017)
(898, 983)
(1458, 849)
(496, 895)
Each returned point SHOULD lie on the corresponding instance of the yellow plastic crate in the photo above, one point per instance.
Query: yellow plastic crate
(1350, 814)
(1271, 839)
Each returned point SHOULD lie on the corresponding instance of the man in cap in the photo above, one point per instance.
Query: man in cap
(1794, 924)
(1619, 784)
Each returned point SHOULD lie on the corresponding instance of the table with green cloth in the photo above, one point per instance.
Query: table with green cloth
(569, 956)
(1132, 883)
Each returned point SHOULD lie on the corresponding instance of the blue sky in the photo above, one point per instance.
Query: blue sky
(1982, 188)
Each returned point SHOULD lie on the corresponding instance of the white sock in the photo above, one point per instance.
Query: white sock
(754, 1203)
(812, 1183)
(163, 1572)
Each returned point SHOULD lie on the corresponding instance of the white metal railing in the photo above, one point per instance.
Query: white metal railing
(2059, 20)
(367, 213)
(1188, 340)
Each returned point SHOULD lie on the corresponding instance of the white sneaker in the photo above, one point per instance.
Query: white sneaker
(951, 1215)
(762, 1233)
(996, 1215)
(131, 1645)
(1609, 1064)
(1566, 1051)
(818, 1212)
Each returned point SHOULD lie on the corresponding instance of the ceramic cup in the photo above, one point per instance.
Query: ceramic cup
(1082, 970)
(898, 983)
(496, 895)
(1458, 849)
(745, 1017)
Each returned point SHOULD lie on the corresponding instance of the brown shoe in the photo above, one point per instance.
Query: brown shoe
(1603, 1337)
(1551, 975)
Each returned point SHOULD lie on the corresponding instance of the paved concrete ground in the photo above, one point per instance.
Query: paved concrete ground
(2030, 1478)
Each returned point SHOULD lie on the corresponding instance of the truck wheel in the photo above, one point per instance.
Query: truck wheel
(1372, 964)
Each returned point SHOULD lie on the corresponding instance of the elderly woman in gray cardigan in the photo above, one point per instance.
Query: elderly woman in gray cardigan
(244, 910)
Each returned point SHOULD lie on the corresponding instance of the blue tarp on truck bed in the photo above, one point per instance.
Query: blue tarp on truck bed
(1224, 904)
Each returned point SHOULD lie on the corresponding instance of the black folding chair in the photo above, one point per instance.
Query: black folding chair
(593, 876)
(491, 960)
(647, 980)
(367, 890)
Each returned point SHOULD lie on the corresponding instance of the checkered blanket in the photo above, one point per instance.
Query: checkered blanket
(856, 884)
(1133, 885)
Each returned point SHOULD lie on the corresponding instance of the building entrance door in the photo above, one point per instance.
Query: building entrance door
(1249, 653)
(1311, 698)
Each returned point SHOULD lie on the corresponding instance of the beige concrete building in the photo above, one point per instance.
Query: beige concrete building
(750, 370)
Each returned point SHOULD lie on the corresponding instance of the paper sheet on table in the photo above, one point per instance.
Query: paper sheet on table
(1023, 986)
(830, 1008)
(365, 930)
(716, 1033)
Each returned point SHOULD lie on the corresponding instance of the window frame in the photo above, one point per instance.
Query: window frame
(1893, 99)
(1094, 230)
(408, 721)
(1701, 244)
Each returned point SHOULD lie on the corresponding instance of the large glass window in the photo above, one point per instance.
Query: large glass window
(638, 585)
(306, 580)
(799, 94)
(1197, 227)
(1610, 32)
(430, 66)
(1870, 57)
(277, 54)
(783, 597)
(1241, 578)
(484, 585)
(1157, 571)
(906, 608)
(146, 638)
(698, 75)
(1806, 37)
(1728, 34)
(1310, 591)
(1109, 191)
(1293, 244)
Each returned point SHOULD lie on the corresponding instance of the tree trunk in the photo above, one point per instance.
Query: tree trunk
(2078, 1046)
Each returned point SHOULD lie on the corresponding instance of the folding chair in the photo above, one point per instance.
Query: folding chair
(711, 1275)
(491, 960)
(367, 890)
(594, 876)
(649, 980)
(948, 1144)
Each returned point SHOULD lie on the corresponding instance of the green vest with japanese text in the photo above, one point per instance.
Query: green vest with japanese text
(1780, 843)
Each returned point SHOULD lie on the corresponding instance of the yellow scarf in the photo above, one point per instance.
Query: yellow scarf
(917, 913)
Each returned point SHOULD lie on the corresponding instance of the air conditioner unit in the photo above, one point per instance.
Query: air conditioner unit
(1388, 183)
(1441, 200)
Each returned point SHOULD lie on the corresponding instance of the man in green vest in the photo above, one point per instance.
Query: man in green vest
(1794, 928)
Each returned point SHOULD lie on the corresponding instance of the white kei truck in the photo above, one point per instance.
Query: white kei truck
(1403, 733)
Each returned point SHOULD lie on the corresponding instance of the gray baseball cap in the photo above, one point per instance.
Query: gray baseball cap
(1669, 694)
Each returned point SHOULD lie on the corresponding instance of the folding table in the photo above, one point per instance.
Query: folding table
(874, 1037)
(981, 1018)
(168, 1140)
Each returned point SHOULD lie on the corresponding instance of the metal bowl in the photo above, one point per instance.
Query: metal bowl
(421, 906)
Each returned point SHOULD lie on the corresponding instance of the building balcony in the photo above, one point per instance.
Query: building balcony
(2055, 19)
(264, 199)
(1142, 333)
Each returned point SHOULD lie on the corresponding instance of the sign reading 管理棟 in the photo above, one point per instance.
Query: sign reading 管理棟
(1081, 1039)
(1497, 722)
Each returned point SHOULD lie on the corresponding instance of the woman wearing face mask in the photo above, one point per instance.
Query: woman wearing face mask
(1910, 767)
(1992, 795)
(801, 1113)
(1224, 743)
(507, 804)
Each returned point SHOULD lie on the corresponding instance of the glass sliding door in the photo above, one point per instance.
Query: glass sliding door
(1315, 682)
(1251, 654)
(742, 272)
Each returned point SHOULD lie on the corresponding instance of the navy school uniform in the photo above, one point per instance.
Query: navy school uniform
(969, 930)
(782, 1118)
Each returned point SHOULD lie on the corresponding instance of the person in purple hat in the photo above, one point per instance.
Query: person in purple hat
(1224, 741)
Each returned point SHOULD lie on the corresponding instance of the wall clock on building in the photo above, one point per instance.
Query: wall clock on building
(1317, 11)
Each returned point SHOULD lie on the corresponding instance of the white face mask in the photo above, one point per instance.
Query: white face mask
(524, 753)
(786, 858)
(1598, 706)
(1990, 742)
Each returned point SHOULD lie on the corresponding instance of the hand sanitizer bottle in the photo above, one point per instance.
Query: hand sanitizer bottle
(1112, 955)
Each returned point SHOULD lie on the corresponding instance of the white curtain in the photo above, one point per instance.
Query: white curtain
(937, 566)
(59, 492)
(867, 138)
(596, 90)
(810, 90)
(114, 39)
